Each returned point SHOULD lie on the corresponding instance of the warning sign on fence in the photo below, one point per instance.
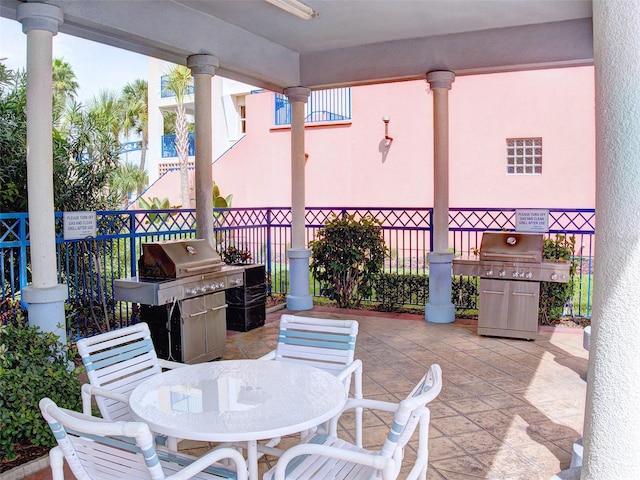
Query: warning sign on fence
(79, 225)
(532, 221)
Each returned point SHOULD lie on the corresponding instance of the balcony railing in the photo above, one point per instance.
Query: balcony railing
(323, 106)
(169, 145)
(165, 93)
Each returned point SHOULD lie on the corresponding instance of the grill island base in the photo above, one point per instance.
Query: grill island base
(180, 290)
(510, 270)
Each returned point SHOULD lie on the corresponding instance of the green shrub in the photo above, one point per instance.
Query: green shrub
(33, 364)
(554, 295)
(347, 256)
(395, 290)
(464, 293)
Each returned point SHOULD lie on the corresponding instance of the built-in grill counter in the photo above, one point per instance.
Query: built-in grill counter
(181, 291)
(510, 268)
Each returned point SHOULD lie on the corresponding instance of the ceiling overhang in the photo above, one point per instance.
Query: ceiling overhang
(271, 49)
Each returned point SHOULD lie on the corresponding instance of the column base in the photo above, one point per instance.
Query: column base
(439, 313)
(440, 309)
(46, 309)
(571, 474)
(299, 297)
(299, 303)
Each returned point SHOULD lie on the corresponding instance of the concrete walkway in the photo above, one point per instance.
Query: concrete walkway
(509, 409)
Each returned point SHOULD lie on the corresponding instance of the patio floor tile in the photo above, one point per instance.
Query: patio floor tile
(509, 409)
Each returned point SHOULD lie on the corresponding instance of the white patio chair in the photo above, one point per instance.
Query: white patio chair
(326, 344)
(116, 362)
(328, 457)
(100, 449)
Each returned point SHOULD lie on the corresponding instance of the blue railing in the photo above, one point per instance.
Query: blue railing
(169, 145)
(323, 106)
(89, 267)
(166, 93)
(130, 147)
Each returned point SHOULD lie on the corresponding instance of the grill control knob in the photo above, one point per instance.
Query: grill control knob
(528, 275)
(514, 274)
(502, 273)
(488, 272)
(554, 276)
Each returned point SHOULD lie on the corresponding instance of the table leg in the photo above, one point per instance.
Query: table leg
(252, 459)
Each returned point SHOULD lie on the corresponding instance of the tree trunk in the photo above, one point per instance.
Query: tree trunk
(182, 148)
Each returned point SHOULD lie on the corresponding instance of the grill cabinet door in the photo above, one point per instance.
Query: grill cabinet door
(508, 308)
(494, 305)
(204, 328)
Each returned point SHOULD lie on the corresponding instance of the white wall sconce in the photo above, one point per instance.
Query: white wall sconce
(387, 138)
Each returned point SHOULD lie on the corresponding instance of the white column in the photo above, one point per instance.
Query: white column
(203, 68)
(612, 420)
(45, 296)
(299, 297)
(440, 309)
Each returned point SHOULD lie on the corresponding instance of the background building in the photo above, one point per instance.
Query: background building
(350, 163)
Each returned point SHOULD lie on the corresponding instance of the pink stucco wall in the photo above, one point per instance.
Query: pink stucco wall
(348, 164)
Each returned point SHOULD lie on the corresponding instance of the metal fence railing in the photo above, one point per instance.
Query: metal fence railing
(89, 267)
(323, 106)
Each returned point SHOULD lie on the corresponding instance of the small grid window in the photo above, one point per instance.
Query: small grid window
(524, 156)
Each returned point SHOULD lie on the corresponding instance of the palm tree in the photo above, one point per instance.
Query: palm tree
(126, 179)
(106, 110)
(136, 115)
(179, 79)
(65, 87)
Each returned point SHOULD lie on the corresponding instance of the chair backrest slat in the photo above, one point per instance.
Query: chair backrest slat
(119, 361)
(95, 448)
(410, 410)
(325, 344)
(98, 449)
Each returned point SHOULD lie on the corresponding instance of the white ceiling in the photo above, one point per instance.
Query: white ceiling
(350, 42)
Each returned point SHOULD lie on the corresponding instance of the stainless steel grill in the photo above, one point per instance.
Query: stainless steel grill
(180, 289)
(511, 268)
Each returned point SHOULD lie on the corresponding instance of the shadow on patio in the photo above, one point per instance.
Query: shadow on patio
(509, 409)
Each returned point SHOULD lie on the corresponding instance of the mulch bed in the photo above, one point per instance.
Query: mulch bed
(24, 454)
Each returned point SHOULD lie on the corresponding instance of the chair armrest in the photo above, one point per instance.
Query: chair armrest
(168, 365)
(385, 464)
(210, 458)
(269, 356)
(88, 391)
(353, 367)
(360, 403)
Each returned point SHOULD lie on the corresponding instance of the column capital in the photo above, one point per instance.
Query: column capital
(440, 79)
(297, 94)
(39, 16)
(203, 64)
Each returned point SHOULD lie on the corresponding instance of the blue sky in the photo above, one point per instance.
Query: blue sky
(97, 67)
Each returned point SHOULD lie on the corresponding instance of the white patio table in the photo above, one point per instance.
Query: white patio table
(238, 401)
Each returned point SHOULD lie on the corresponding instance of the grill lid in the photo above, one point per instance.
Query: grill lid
(177, 259)
(512, 247)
